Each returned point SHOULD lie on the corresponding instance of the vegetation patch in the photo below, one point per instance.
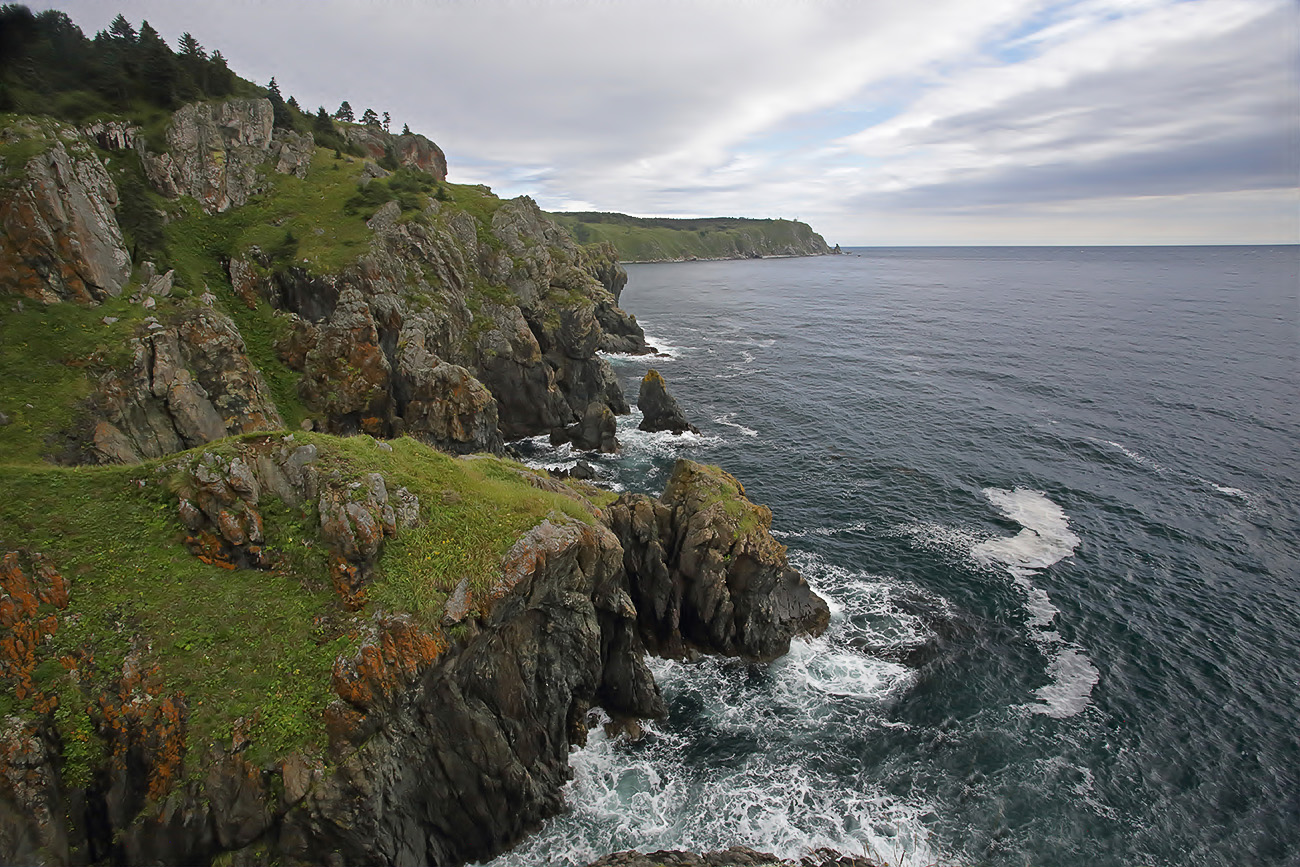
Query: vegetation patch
(50, 358)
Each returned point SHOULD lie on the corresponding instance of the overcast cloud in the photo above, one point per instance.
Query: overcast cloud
(949, 121)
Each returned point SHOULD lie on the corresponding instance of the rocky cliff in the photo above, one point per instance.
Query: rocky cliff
(303, 648)
(459, 318)
(444, 727)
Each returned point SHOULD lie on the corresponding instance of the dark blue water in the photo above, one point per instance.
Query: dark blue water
(1052, 497)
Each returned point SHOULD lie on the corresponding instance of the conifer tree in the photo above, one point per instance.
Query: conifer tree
(406, 129)
(122, 29)
(369, 118)
(345, 113)
(321, 124)
(157, 66)
(388, 119)
(279, 112)
(190, 47)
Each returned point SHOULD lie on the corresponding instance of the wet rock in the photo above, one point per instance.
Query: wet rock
(596, 432)
(705, 573)
(659, 409)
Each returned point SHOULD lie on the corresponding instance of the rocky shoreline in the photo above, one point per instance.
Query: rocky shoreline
(443, 728)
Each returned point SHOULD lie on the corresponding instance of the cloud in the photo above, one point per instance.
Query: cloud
(855, 115)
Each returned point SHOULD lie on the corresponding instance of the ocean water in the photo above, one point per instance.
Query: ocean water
(1051, 496)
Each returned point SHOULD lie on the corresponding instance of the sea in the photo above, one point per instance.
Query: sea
(1051, 495)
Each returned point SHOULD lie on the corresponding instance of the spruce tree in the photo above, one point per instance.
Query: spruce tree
(369, 118)
(406, 129)
(122, 29)
(279, 112)
(388, 119)
(322, 124)
(345, 113)
(190, 47)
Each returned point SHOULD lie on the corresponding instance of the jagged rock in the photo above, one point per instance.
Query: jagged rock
(190, 382)
(446, 407)
(213, 151)
(706, 574)
(582, 470)
(60, 239)
(595, 432)
(659, 409)
(111, 135)
(476, 749)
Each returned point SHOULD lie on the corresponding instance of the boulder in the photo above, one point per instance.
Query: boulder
(659, 409)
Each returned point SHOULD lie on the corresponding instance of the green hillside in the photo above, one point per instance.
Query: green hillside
(663, 239)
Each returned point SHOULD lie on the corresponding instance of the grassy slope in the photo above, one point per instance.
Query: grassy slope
(237, 643)
(243, 642)
(662, 239)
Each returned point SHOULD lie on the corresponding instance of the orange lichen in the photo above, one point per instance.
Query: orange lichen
(389, 660)
(23, 626)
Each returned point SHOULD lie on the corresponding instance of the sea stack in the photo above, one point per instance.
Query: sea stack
(659, 408)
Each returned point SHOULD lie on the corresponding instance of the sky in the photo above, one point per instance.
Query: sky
(876, 121)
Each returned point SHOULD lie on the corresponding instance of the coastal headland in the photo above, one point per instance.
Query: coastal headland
(275, 590)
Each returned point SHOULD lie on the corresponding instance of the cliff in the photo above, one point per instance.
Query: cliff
(370, 640)
(662, 239)
(306, 649)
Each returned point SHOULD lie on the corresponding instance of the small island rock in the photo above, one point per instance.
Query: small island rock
(659, 408)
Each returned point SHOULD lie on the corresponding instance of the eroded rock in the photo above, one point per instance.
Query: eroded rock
(660, 410)
(705, 573)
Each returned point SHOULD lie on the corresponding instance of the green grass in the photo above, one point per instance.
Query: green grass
(471, 513)
(244, 643)
(49, 357)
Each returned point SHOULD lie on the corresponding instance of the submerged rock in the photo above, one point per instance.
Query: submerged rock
(659, 408)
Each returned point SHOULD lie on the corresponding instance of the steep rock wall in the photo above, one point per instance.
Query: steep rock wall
(61, 240)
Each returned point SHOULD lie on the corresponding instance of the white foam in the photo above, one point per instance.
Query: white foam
(1046, 538)
(1132, 455)
(1073, 677)
(651, 796)
(858, 527)
(726, 419)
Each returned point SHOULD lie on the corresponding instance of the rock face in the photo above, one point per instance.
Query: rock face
(214, 151)
(367, 339)
(595, 432)
(190, 382)
(659, 409)
(61, 240)
(705, 573)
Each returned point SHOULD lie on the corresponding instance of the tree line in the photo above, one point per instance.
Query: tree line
(49, 66)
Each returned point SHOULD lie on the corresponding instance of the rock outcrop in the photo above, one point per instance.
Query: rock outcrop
(60, 239)
(408, 149)
(706, 575)
(659, 409)
(214, 152)
(189, 382)
(594, 432)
